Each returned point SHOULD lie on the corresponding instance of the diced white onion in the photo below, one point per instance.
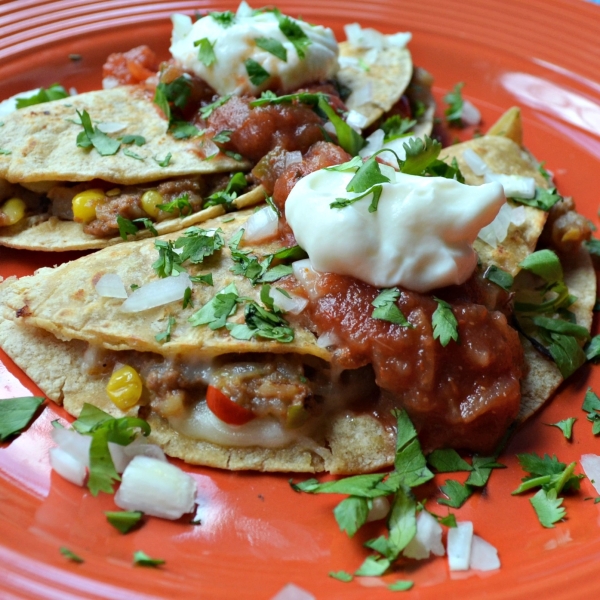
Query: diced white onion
(379, 509)
(428, 538)
(291, 158)
(475, 162)
(371, 38)
(244, 10)
(590, 463)
(74, 443)
(470, 114)
(156, 488)
(307, 277)
(293, 592)
(119, 458)
(329, 127)
(497, 230)
(353, 33)
(374, 144)
(67, 466)
(348, 61)
(294, 304)
(328, 339)
(111, 285)
(399, 39)
(362, 95)
(156, 293)
(484, 557)
(518, 216)
(73, 91)
(459, 546)
(140, 447)
(262, 225)
(10, 104)
(515, 186)
(111, 127)
(182, 25)
(355, 119)
(110, 82)
(210, 148)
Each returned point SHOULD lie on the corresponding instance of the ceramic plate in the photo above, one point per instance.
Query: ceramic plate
(257, 535)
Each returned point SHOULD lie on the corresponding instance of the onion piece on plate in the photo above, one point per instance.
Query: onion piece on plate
(262, 225)
(475, 162)
(292, 592)
(590, 463)
(459, 546)
(484, 557)
(67, 466)
(156, 488)
(428, 538)
(156, 293)
(110, 285)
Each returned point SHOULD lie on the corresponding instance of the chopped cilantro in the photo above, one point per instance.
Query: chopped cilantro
(273, 46)
(544, 199)
(142, 559)
(182, 130)
(208, 110)
(455, 102)
(420, 154)
(70, 555)
(5, 152)
(386, 308)
(566, 426)
(498, 276)
(206, 51)
(545, 264)
(54, 92)
(169, 261)
(341, 576)
(131, 154)
(171, 96)
(124, 520)
(92, 136)
(447, 460)
(205, 279)
(215, 312)
(16, 413)
(548, 507)
(396, 126)
(234, 155)
(165, 336)
(224, 19)
(187, 298)
(163, 162)
(457, 493)
(256, 73)
(445, 325)
(591, 405)
(348, 138)
(147, 224)
(181, 205)
(263, 323)
(222, 137)
(198, 243)
(402, 585)
(236, 184)
(126, 227)
(138, 140)
(592, 350)
(294, 33)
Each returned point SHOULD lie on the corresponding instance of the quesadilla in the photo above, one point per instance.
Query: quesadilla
(231, 381)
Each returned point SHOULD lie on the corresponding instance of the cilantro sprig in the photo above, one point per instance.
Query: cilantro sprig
(91, 136)
(386, 308)
(16, 413)
(54, 92)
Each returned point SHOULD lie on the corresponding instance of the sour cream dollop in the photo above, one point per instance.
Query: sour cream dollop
(420, 237)
(235, 42)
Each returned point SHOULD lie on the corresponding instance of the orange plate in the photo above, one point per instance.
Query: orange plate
(256, 534)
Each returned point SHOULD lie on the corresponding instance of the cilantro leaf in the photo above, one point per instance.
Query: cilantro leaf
(164, 162)
(215, 312)
(341, 576)
(256, 73)
(102, 469)
(364, 486)
(173, 95)
(447, 460)
(294, 33)
(224, 19)
(445, 325)
(566, 353)
(16, 413)
(402, 585)
(236, 184)
(498, 276)
(206, 51)
(124, 520)
(396, 126)
(420, 153)
(545, 264)
(182, 130)
(373, 567)
(350, 140)
(181, 205)
(142, 559)
(92, 136)
(402, 522)
(455, 103)
(410, 463)
(482, 467)
(544, 199)
(273, 46)
(138, 140)
(222, 137)
(69, 554)
(207, 110)
(54, 92)
(548, 507)
(457, 493)
(147, 224)
(126, 227)
(386, 308)
(169, 261)
(165, 336)
(351, 514)
(132, 154)
(198, 243)
(592, 350)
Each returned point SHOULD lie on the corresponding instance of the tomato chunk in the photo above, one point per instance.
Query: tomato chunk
(226, 409)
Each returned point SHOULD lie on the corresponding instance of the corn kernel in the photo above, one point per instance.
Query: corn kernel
(14, 209)
(150, 201)
(85, 203)
(124, 388)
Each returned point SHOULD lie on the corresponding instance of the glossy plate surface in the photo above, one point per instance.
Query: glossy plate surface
(256, 534)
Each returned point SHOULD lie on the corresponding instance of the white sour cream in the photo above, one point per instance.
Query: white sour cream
(235, 44)
(420, 237)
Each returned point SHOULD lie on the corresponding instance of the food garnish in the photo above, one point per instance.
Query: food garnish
(16, 413)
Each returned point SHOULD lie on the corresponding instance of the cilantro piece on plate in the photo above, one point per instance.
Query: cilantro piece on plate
(544, 199)
(402, 585)
(141, 559)
(206, 51)
(163, 162)
(445, 325)
(54, 92)
(341, 576)
(92, 136)
(294, 33)
(447, 460)
(455, 103)
(386, 308)
(591, 405)
(592, 350)
(482, 467)
(132, 154)
(70, 555)
(124, 520)
(457, 493)
(216, 311)
(182, 130)
(566, 426)
(206, 279)
(197, 244)
(16, 413)
(256, 72)
(273, 46)
(138, 140)
(545, 264)
(498, 276)
(548, 507)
